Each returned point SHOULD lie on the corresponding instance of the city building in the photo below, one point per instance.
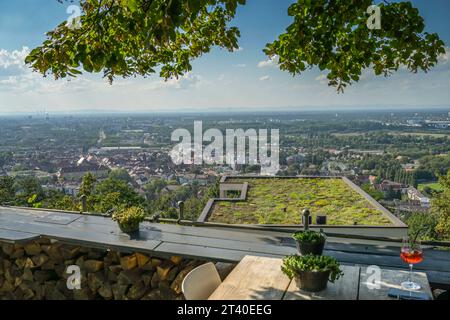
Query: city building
(416, 196)
(79, 171)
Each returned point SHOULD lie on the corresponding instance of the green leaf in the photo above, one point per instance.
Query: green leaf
(132, 5)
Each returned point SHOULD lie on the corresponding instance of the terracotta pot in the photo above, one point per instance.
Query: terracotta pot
(312, 281)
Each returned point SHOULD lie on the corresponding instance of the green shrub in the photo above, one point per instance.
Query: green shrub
(129, 219)
(309, 236)
(294, 264)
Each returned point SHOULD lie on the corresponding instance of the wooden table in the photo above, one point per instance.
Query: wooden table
(261, 278)
(390, 279)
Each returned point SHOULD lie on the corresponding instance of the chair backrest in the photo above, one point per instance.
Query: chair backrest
(201, 282)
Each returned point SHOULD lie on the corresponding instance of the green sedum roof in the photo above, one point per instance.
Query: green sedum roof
(281, 201)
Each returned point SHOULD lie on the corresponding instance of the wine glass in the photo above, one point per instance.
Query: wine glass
(411, 253)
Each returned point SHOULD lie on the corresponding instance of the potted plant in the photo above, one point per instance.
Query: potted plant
(309, 242)
(311, 272)
(129, 219)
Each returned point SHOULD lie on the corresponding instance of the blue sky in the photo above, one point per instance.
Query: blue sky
(219, 80)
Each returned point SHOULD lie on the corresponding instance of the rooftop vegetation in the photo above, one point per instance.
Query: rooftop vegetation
(281, 201)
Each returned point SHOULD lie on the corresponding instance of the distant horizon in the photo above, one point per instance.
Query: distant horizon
(262, 110)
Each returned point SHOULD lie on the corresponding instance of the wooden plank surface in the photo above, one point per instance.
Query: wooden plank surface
(437, 279)
(345, 288)
(389, 279)
(254, 278)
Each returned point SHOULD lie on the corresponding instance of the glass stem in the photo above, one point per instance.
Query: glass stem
(410, 272)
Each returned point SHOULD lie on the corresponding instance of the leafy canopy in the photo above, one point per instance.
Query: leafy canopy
(7, 191)
(134, 37)
(333, 35)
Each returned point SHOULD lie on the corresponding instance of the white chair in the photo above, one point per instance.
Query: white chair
(201, 282)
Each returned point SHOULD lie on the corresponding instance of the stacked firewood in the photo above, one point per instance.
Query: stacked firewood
(39, 270)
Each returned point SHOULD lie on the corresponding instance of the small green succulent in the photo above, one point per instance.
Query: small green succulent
(309, 236)
(129, 218)
(294, 264)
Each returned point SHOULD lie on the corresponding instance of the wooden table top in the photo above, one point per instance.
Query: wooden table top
(260, 278)
(389, 279)
(345, 288)
(254, 278)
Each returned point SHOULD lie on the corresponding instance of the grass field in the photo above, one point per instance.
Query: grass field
(281, 201)
(395, 133)
(422, 134)
(432, 185)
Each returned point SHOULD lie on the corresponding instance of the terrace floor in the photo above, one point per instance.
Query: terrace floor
(206, 243)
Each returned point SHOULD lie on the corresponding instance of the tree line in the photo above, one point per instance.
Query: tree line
(106, 196)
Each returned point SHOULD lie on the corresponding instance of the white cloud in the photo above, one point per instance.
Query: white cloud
(271, 62)
(17, 77)
(187, 81)
(9, 80)
(13, 63)
(264, 78)
(238, 49)
(445, 58)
